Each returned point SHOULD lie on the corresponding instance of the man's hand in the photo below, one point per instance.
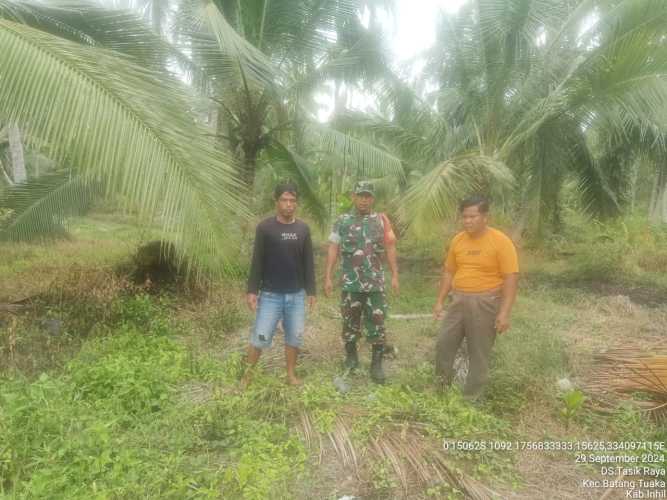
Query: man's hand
(251, 301)
(502, 323)
(438, 311)
(328, 287)
(394, 284)
(312, 300)
(507, 300)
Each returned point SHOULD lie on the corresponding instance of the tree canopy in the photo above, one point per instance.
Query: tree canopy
(187, 111)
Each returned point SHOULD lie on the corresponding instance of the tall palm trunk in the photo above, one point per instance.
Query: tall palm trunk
(19, 174)
(250, 166)
(658, 205)
(251, 147)
(157, 16)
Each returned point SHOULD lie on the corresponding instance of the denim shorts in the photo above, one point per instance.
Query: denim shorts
(273, 307)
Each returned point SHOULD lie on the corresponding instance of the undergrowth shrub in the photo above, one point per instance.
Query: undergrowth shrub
(34, 343)
(130, 371)
(445, 414)
(630, 424)
(650, 245)
(82, 297)
(91, 300)
(141, 311)
(28, 347)
(602, 261)
(268, 457)
(226, 317)
(71, 436)
(265, 454)
(615, 251)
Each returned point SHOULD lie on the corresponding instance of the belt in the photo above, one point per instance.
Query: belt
(494, 292)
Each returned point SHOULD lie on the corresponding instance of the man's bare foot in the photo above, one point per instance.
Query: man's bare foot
(293, 380)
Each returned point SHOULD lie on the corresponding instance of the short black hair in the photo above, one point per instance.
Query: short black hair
(476, 200)
(285, 187)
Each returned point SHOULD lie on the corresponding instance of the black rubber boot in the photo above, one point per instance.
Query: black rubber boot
(351, 358)
(377, 375)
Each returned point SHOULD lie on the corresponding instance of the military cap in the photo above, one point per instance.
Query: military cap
(364, 187)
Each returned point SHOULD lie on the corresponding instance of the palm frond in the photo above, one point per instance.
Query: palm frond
(223, 53)
(434, 197)
(295, 31)
(291, 165)
(90, 24)
(406, 139)
(114, 122)
(363, 158)
(363, 62)
(40, 207)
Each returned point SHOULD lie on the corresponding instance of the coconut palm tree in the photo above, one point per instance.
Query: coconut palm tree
(115, 124)
(261, 62)
(521, 87)
(118, 121)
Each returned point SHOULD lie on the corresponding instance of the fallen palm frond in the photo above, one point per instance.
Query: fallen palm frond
(411, 455)
(342, 444)
(306, 430)
(628, 370)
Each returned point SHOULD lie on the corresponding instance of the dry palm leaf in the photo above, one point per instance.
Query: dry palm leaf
(413, 457)
(628, 370)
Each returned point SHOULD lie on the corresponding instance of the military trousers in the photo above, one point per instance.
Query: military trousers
(372, 307)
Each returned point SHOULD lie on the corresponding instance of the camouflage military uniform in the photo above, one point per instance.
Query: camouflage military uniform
(361, 241)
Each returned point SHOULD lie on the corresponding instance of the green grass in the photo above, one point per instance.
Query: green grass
(531, 357)
(628, 252)
(137, 397)
(100, 240)
(91, 429)
(111, 424)
(114, 422)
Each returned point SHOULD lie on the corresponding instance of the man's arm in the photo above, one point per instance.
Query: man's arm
(446, 281)
(509, 268)
(510, 285)
(332, 256)
(393, 266)
(255, 275)
(309, 268)
(445, 287)
(390, 247)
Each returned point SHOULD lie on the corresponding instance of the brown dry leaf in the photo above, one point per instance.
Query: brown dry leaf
(629, 369)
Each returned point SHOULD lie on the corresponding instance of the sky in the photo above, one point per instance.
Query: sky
(414, 25)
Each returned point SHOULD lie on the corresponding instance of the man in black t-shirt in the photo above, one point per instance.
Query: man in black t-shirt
(282, 274)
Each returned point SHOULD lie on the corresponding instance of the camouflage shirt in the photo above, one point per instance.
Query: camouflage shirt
(362, 248)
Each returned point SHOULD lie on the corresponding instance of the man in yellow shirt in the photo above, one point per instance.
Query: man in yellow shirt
(481, 270)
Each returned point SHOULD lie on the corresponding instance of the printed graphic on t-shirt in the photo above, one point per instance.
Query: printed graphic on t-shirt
(289, 236)
(479, 264)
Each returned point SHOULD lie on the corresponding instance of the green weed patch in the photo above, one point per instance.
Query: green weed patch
(80, 433)
(110, 425)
